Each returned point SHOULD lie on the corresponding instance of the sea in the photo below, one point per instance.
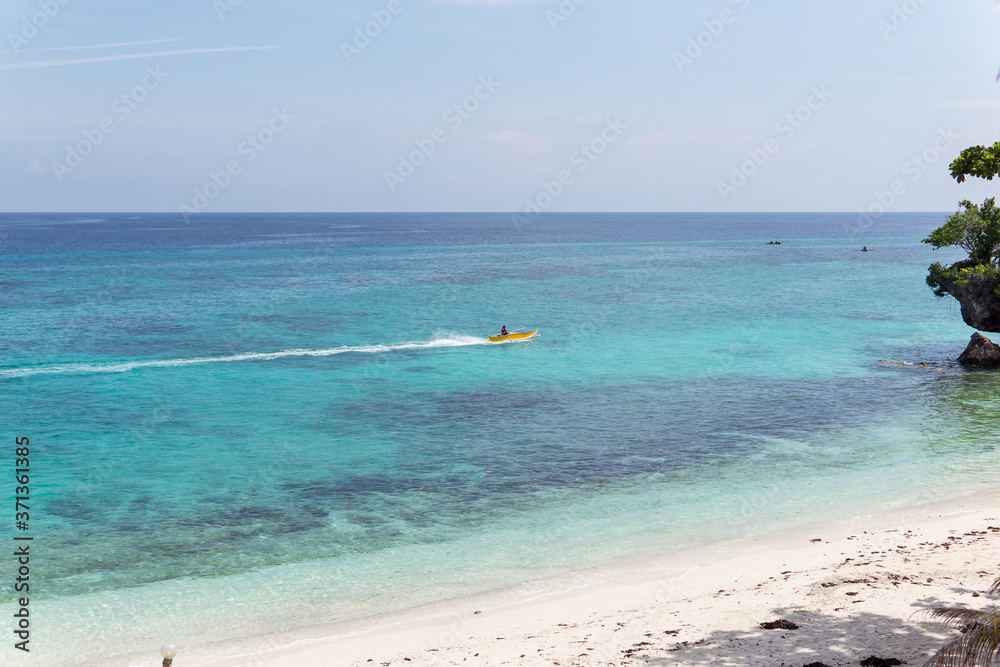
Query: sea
(277, 424)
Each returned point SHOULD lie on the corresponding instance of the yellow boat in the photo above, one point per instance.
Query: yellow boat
(512, 336)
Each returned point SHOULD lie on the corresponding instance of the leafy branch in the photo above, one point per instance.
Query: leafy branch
(978, 161)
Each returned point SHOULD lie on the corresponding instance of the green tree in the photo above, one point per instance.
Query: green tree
(978, 161)
(976, 229)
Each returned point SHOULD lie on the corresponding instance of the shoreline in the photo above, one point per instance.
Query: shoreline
(692, 607)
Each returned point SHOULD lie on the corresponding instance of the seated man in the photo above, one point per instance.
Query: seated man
(503, 330)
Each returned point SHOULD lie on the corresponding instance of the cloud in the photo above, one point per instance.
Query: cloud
(35, 168)
(518, 144)
(129, 56)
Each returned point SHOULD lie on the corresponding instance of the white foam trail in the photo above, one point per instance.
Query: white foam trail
(125, 366)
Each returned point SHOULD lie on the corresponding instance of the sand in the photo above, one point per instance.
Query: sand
(852, 588)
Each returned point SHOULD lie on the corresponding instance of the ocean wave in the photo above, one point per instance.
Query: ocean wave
(125, 366)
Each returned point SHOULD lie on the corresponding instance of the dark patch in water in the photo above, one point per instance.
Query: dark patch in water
(354, 485)
(421, 369)
(256, 521)
(73, 507)
(391, 413)
(300, 526)
(158, 329)
(237, 517)
(13, 284)
(491, 403)
(366, 519)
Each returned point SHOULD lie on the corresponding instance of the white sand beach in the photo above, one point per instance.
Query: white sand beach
(853, 590)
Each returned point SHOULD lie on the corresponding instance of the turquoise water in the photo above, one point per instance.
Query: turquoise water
(264, 423)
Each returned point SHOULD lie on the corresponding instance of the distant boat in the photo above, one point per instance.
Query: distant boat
(774, 243)
(512, 336)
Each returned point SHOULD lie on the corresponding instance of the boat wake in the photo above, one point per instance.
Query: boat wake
(125, 366)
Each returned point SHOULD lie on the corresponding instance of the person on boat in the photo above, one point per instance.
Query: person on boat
(865, 249)
(503, 330)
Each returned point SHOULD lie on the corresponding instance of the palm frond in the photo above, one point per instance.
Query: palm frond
(959, 618)
(995, 587)
(979, 645)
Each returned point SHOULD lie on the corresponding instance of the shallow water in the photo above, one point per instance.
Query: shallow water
(257, 422)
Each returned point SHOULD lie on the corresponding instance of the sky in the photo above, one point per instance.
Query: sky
(494, 105)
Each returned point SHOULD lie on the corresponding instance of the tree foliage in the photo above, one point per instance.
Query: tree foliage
(978, 161)
(975, 229)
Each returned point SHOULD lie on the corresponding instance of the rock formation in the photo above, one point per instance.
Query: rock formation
(981, 352)
(976, 292)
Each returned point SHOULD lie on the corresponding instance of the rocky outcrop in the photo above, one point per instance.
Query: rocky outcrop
(977, 293)
(981, 352)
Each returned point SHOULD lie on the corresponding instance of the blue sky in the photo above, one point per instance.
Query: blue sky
(726, 105)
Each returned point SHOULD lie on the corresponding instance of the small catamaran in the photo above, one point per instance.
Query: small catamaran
(520, 335)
